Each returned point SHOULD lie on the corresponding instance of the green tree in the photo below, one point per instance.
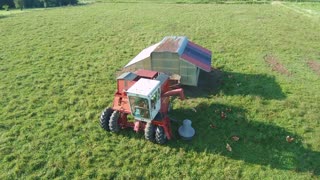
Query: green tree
(7, 2)
(19, 4)
(45, 3)
(6, 7)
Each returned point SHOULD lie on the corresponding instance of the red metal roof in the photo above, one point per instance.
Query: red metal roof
(146, 73)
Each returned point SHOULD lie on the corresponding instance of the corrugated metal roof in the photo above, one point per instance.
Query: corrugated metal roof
(172, 44)
(187, 50)
(197, 55)
(143, 54)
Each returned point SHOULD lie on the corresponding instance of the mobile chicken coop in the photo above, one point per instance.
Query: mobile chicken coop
(174, 55)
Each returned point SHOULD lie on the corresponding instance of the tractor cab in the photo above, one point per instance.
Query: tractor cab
(144, 99)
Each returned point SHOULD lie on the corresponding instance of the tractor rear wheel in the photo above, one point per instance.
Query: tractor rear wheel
(161, 137)
(149, 132)
(113, 122)
(104, 118)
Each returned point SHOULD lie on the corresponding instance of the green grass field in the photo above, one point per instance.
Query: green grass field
(58, 68)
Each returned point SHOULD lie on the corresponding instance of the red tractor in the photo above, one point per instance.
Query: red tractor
(142, 102)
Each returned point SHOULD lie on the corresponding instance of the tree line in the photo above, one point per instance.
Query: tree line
(20, 4)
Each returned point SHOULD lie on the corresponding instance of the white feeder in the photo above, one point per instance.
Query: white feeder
(186, 131)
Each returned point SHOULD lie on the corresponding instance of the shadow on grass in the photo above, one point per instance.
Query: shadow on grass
(231, 83)
(260, 143)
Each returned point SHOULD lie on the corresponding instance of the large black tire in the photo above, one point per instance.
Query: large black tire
(104, 118)
(113, 122)
(149, 132)
(161, 137)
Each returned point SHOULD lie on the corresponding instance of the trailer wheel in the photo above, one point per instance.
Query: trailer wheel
(113, 122)
(149, 132)
(104, 118)
(161, 137)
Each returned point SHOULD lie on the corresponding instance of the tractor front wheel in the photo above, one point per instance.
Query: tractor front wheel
(149, 133)
(104, 118)
(113, 122)
(161, 137)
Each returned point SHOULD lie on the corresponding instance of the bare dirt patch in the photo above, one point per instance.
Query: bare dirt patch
(315, 66)
(276, 65)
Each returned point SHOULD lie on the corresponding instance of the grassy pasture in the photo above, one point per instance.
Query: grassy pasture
(58, 70)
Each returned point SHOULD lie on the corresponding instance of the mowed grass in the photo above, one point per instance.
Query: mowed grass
(308, 6)
(58, 70)
(311, 10)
